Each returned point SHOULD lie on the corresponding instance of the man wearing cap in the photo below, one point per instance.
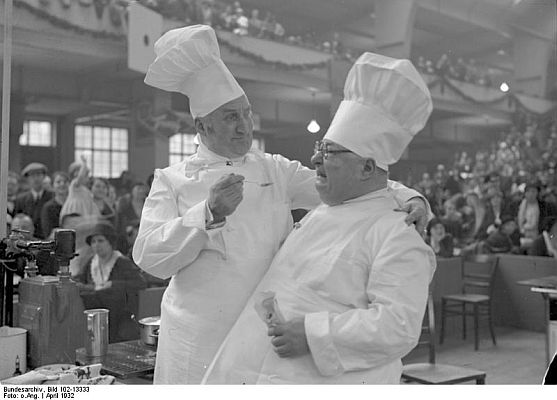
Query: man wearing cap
(351, 282)
(214, 221)
(32, 201)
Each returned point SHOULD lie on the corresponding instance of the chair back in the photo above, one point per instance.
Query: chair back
(478, 273)
(427, 337)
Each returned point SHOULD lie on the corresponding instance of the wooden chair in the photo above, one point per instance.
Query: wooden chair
(475, 299)
(432, 373)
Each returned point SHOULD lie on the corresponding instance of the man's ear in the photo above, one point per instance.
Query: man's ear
(368, 168)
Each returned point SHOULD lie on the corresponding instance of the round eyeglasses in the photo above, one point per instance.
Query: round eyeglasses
(323, 148)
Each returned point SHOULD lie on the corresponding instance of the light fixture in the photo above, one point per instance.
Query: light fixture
(504, 87)
(313, 126)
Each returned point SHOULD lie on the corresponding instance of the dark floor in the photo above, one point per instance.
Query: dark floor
(518, 358)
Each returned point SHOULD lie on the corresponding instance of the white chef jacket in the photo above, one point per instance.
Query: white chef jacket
(360, 277)
(214, 271)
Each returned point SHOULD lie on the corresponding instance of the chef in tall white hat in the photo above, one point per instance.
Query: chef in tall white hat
(351, 283)
(203, 224)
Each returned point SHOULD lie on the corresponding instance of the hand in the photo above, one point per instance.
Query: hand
(289, 338)
(225, 195)
(417, 213)
(83, 159)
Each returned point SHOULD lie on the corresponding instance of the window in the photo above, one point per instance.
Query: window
(181, 145)
(106, 149)
(37, 133)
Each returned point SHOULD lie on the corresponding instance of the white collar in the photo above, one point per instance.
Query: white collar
(37, 195)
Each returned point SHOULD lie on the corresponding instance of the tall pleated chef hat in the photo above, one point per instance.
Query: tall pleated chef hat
(386, 102)
(188, 61)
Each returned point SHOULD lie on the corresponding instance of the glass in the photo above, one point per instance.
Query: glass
(323, 148)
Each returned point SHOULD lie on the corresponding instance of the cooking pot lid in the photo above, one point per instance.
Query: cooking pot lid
(151, 320)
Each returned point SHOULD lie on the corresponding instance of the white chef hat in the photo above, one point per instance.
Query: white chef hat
(188, 61)
(386, 102)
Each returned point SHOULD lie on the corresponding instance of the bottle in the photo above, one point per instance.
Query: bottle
(17, 370)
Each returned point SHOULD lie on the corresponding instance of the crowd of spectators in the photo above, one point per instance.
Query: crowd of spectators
(499, 200)
(233, 17)
(39, 203)
(462, 70)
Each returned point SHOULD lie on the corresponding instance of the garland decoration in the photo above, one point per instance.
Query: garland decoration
(275, 64)
(64, 24)
(511, 98)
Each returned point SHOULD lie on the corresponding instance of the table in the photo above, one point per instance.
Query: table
(547, 287)
(127, 361)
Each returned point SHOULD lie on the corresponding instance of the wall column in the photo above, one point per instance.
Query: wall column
(394, 24)
(531, 55)
(17, 117)
(148, 148)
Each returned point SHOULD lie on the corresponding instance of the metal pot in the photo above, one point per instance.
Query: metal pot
(149, 330)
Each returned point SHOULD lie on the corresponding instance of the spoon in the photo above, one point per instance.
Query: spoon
(260, 184)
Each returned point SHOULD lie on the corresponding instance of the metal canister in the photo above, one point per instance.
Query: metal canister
(96, 340)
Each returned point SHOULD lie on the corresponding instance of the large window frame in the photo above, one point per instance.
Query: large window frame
(38, 132)
(105, 147)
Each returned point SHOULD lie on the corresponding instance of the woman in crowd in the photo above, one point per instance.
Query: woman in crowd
(111, 280)
(545, 245)
(437, 238)
(130, 206)
(80, 199)
(474, 218)
(100, 189)
(532, 212)
(50, 214)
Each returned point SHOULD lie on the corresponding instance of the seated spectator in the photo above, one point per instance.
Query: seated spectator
(100, 190)
(452, 220)
(473, 226)
(129, 207)
(496, 208)
(545, 245)
(32, 201)
(501, 241)
(50, 214)
(242, 23)
(437, 238)
(80, 199)
(111, 280)
(13, 188)
(532, 212)
(255, 23)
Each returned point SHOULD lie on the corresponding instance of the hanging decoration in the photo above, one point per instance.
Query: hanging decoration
(511, 98)
(99, 6)
(275, 64)
(64, 24)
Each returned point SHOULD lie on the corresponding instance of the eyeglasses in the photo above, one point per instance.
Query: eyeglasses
(323, 148)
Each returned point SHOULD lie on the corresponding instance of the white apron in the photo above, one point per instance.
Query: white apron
(224, 265)
(360, 278)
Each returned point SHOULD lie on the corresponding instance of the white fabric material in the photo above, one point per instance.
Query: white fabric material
(214, 271)
(101, 272)
(188, 61)
(386, 103)
(360, 277)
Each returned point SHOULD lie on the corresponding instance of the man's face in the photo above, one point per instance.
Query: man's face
(35, 180)
(60, 185)
(338, 177)
(13, 185)
(509, 227)
(228, 131)
(531, 195)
